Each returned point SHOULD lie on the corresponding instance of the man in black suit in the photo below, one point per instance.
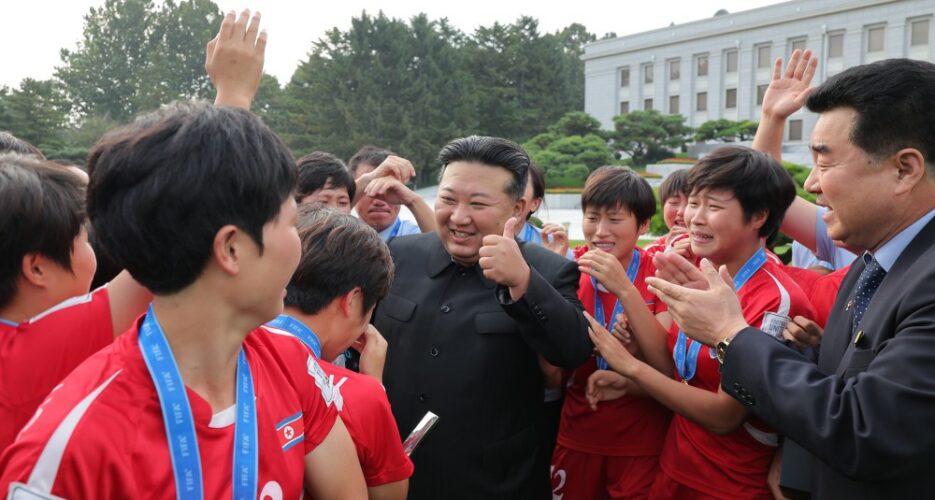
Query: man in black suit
(865, 410)
(467, 317)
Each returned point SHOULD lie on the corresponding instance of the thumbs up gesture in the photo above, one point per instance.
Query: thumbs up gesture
(502, 262)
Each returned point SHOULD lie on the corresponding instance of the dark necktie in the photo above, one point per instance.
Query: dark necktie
(867, 284)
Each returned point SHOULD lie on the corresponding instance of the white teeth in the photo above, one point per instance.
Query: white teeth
(460, 234)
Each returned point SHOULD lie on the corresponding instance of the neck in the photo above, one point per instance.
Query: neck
(323, 324)
(911, 213)
(735, 262)
(206, 336)
(627, 259)
(27, 303)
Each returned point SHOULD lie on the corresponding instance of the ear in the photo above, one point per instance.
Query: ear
(35, 270)
(350, 302)
(519, 207)
(910, 169)
(227, 249)
(535, 204)
(759, 219)
(644, 227)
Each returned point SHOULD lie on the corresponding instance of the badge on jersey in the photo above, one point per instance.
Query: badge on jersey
(328, 391)
(774, 324)
(291, 431)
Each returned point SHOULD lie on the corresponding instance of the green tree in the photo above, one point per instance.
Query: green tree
(135, 55)
(724, 130)
(570, 150)
(649, 135)
(403, 86)
(577, 123)
(34, 112)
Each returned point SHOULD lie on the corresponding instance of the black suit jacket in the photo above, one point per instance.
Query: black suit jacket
(867, 410)
(459, 347)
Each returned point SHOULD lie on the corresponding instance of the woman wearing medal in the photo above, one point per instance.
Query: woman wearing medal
(197, 399)
(714, 448)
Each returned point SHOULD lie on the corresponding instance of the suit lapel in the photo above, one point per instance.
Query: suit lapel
(837, 333)
(888, 290)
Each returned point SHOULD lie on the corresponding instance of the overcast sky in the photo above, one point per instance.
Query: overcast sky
(35, 30)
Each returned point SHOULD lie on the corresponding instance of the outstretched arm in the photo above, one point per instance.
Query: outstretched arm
(787, 93)
(234, 59)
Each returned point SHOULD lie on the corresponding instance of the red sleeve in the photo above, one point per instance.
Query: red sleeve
(319, 403)
(386, 460)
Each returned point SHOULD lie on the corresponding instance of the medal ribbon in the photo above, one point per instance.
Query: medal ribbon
(632, 270)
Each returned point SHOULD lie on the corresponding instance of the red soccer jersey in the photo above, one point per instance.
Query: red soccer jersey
(735, 465)
(100, 434)
(655, 247)
(629, 426)
(824, 293)
(38, 354)
(365, 410)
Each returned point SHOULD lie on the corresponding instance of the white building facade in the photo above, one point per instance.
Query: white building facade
(720, 67)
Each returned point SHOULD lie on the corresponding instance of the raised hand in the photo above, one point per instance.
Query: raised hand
(606, 269)
(234, 59)
(502, 261)
(788, 90)
(396, 167)
(674, 268)
(555, 238)
(390, 190)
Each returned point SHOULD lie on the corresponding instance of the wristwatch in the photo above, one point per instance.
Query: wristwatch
(721, 348)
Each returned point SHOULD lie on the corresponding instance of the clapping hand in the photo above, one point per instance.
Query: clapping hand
(234, 59)
(395, 167)
(803, 332)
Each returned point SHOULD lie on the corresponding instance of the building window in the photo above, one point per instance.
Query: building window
(647, 73)
(760, 93)
(919, 34)
(673, 104)
(624, 107)
(730, 61)
(702, 66)
(730, 98)
(764, 54)
(625, 77)
(835, 45)
(647, 104)
(675, 69)
(795, 130)
(797, 44)
(701, 101)
(875, 39)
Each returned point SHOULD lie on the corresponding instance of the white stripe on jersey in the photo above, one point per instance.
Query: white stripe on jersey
(785, 302)
(80, 299)
(763, 437)
(43, 474)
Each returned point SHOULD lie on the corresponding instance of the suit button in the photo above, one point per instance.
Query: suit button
(434, 351)
(423, 397)
(446, 308)
(736, 386)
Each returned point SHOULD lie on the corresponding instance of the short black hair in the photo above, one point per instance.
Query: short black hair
(674, 184)
(757, 180)
(893, 100)
(9, 143)
(537, 178)
(339, 253)
(319, 169)
(492, 151)
(611, 187)
(162, 187)
(41, 211)
(367, 155)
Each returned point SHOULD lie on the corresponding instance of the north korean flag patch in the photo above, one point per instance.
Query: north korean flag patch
(291, 431)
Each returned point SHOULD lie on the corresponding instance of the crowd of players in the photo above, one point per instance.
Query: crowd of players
(190, 353)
